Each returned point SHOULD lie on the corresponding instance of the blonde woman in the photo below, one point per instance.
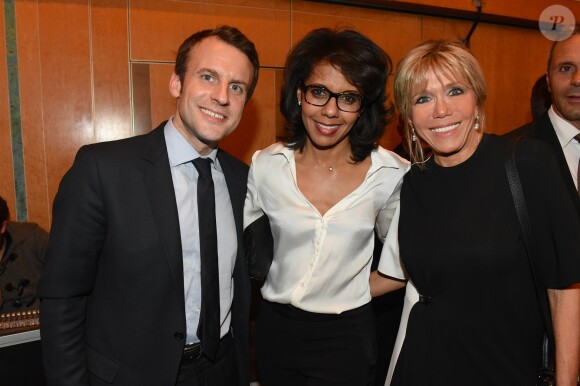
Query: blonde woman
(477, 321)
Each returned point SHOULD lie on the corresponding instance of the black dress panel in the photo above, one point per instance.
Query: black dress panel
(478, 321)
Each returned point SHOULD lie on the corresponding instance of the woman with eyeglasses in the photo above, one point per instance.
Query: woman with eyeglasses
(325, 189)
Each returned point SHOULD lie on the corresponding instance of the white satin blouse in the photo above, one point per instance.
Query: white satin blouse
(321, 263)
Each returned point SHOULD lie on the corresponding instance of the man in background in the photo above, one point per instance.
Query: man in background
(560, 125)
(22, 246)
(122, 295)
(541, 99)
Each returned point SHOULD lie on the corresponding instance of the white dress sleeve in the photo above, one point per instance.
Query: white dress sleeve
(391, 265)
(390, 262)
(252, 207)
(411, 297)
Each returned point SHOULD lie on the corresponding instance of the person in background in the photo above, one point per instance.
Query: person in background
(22, 247)
(477, 320)
(325, 189)
(541, 99)
(559, 126)
(123, 296)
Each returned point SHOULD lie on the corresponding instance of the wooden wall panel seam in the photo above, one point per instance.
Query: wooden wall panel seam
(92, 72)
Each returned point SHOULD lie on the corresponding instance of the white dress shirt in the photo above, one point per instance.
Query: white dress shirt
(184, 176)
(566, 133)
(321, 263)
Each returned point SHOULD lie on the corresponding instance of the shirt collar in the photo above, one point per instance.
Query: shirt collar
(564, 129)
(380, 158)
(178, 149)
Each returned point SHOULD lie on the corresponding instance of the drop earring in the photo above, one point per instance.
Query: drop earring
(299, 103)
(413, 137)
(476, 126)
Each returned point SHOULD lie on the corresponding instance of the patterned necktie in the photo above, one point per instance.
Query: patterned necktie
(209, 321)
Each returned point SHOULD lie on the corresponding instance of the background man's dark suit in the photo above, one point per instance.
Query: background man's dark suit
(127, 268)
(543, 130)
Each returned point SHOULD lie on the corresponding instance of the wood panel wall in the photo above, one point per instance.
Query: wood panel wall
(97, 70)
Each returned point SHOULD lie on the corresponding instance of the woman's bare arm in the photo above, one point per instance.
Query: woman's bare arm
(381, 284)
(565, 308)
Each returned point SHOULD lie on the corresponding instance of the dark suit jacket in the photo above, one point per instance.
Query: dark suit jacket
(543, 130)
(112, 294)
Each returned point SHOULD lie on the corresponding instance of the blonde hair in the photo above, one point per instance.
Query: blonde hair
(444, 58)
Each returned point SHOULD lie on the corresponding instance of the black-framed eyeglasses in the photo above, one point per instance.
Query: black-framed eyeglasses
(318, 95)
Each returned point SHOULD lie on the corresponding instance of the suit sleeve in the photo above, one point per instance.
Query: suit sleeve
(77, 234)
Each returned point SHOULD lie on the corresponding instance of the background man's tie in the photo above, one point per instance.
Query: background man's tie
(578, 175)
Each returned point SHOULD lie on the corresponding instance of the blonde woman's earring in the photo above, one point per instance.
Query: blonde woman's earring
(413, 137)
(476, 126)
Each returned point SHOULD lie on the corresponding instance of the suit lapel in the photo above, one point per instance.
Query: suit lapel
(161, 194)
(235, 185)
(546, 132)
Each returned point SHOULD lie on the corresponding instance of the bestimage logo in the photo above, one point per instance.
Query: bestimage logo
(557, 22)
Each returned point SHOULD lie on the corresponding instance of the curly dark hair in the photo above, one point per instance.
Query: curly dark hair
(227, 34)
(362, 62)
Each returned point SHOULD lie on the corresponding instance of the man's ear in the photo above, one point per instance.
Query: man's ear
(175, 85)
(548, 82)
(3, 227)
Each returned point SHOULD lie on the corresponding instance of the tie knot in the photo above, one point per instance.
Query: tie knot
(203, 166)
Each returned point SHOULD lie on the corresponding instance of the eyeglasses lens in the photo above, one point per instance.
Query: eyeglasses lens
(319, 96)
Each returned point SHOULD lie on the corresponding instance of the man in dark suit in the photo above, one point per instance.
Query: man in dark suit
(561, 123)
(121, 294)
(559, 127)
